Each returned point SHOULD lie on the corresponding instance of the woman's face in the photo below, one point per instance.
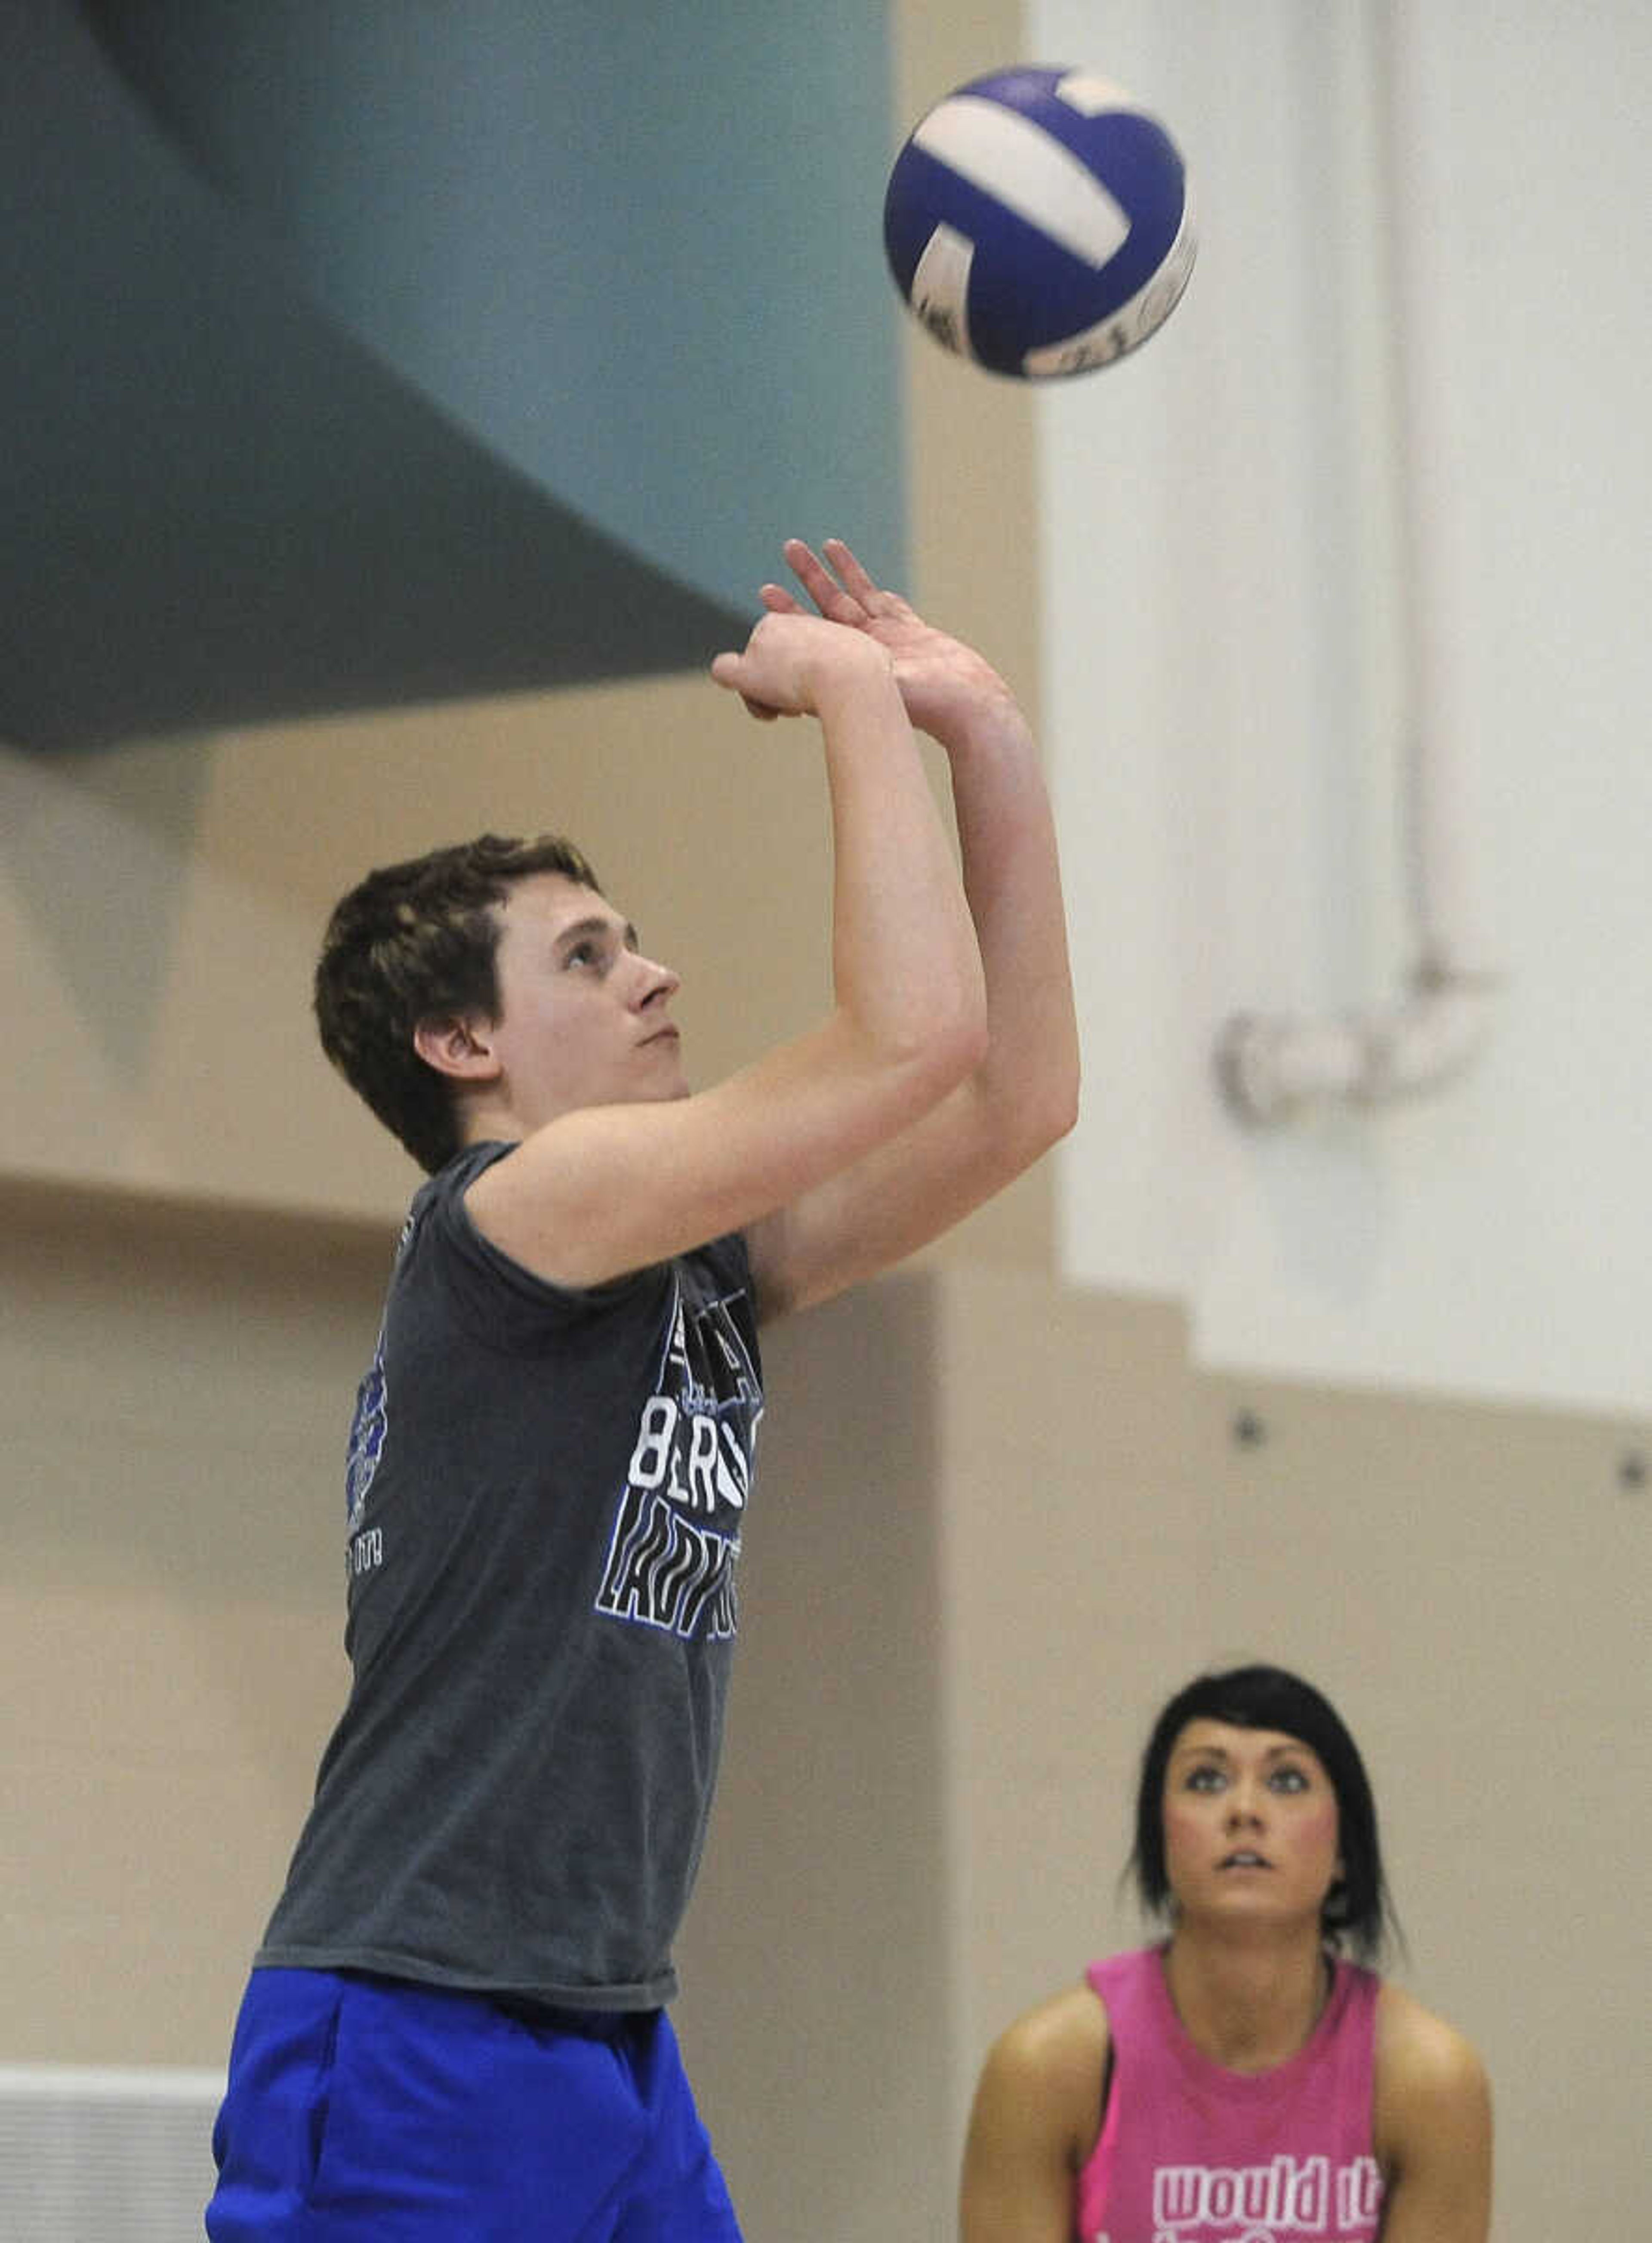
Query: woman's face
(1251, 1825)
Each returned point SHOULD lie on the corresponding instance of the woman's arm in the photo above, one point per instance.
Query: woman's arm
(1035, 2120)
(1433, 2127)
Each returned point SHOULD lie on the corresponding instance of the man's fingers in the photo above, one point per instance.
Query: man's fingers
(837, 604)
(853, 578)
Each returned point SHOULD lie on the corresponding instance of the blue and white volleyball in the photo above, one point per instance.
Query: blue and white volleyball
(1038, 222)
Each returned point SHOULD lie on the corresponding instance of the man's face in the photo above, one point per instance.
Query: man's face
(584, 1018)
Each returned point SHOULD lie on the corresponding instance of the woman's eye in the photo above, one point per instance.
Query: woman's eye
(1289, 1779)
(1205, 1779)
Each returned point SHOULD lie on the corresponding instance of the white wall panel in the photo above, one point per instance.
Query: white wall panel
(1226, 666)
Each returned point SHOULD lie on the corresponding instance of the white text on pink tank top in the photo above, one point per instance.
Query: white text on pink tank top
(1272, 2203)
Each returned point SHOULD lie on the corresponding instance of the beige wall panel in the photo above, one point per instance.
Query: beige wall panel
(166, 902)
(1075, 1583)
(1472, 1584)
(170, 1614)
(817, 2012)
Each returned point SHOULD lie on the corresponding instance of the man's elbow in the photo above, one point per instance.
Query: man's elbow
(1023, 1121)
(1044, 1103)
(1065, 1120)
(1048, 1116)
(955, 1049)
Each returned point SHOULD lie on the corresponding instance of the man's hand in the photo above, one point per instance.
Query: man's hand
(944, 683)
(793, 661)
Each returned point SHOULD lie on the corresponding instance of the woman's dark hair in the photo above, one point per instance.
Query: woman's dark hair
(1358, 1912)
(414, 942)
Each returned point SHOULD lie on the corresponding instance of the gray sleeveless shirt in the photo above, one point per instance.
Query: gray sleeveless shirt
(546, 1493)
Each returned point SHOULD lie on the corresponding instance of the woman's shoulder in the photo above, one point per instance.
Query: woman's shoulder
(1038, 2097)
(1427, 2073)
(1057, 2050)
(1074, 2018)
(1416, 2045)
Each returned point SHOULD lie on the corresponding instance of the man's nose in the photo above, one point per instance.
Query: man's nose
(655, 983)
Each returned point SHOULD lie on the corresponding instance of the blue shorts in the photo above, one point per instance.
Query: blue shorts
(365, 2108)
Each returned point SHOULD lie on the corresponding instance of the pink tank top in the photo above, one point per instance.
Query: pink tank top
(1191, 2153)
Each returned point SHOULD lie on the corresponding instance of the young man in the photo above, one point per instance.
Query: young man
(455, 2026)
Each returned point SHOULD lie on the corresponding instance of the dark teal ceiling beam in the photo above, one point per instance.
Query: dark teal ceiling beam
(360, 354)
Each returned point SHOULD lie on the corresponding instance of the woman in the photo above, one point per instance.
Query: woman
(1245, 2081)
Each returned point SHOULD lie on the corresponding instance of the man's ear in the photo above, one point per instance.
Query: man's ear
(457, 1046)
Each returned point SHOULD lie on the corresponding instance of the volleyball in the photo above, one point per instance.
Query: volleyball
(1038, 222)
